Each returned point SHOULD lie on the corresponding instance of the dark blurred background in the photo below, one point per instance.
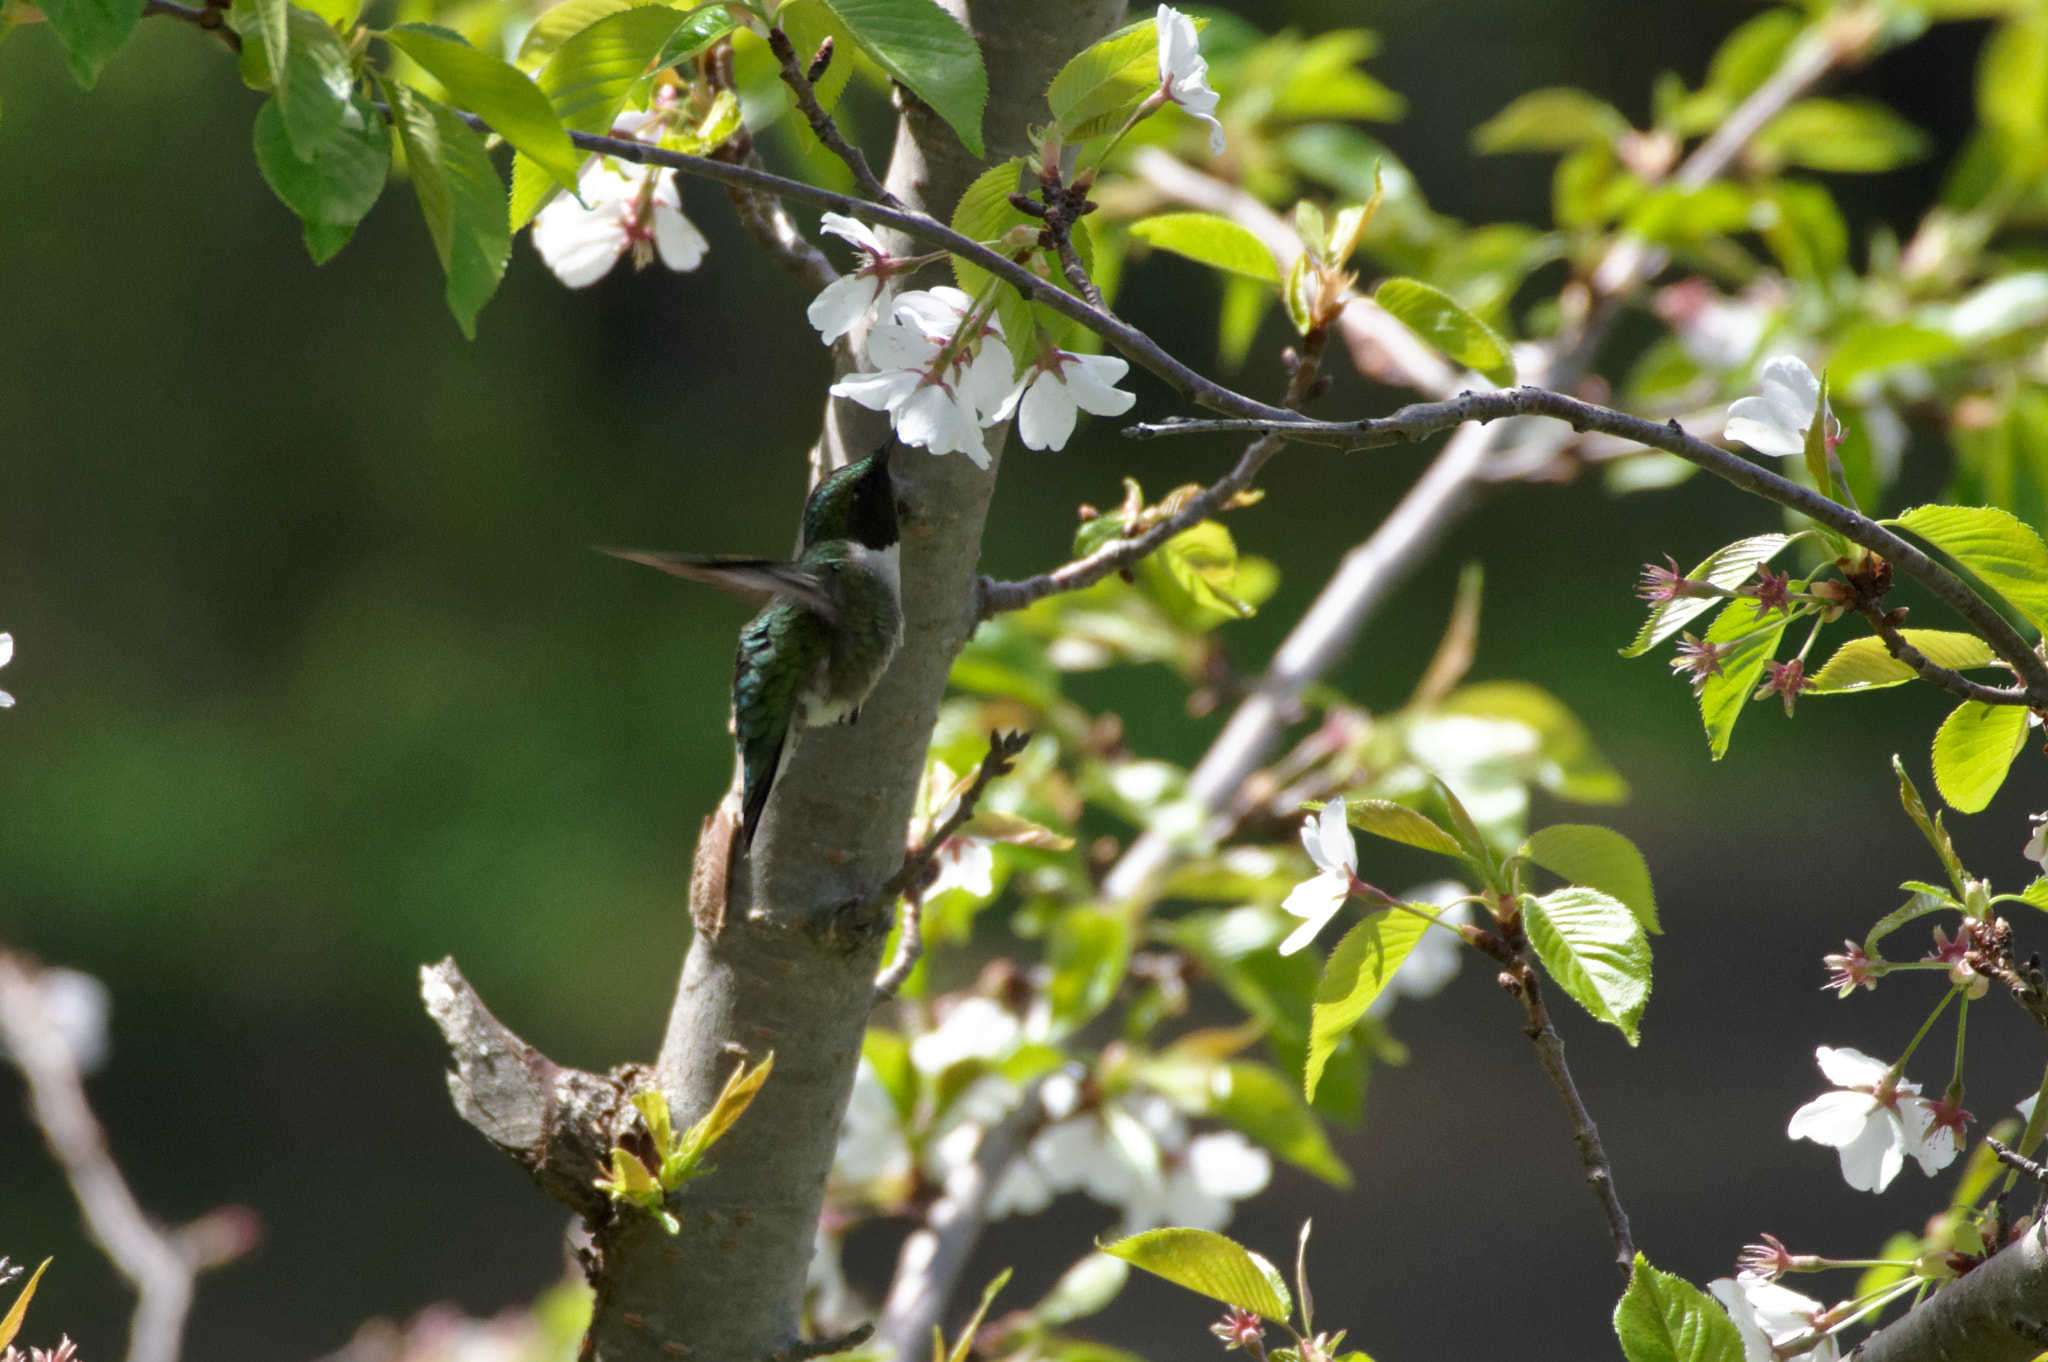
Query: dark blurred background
(317, 682)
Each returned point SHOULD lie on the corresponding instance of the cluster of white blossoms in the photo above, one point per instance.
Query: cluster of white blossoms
(619, 206)
(1132, 1150)
(1875, 1120)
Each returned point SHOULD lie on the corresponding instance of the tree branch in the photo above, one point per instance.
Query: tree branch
(1422, 419)
(1996, 1312)
(1953, 682)
(1134, 344)
(212, 18)
(160, 1264)
(1003, 751)
(1120, 554)
(800, 83)
(763, 215)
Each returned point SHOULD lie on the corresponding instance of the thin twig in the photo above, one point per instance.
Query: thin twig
(800, 83)
(803, 1350)
(1119, 554)
(906, 883)
(763, 215)
(1934, 674)
(160, 1263)
(1426, 418)
(212, 18)
(2013, 1159)
(1510, 947)
(1061, 205)
(1133, 343)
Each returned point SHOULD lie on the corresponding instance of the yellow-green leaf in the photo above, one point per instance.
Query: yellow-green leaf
(1399, 823)
(1211, 240)
(1864, 664)
(1361, 966)
(2001, 549)
(1436, 317)
(10, 1324)
(1211, 1265)
(1597, 858)
(1595, 948)
(1727, 568)
(1973, 749)
(497, 93)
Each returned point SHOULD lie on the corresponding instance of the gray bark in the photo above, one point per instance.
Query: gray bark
(1997, 1312)
(783, 960)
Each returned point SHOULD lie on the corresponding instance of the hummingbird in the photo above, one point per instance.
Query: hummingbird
(829, 623)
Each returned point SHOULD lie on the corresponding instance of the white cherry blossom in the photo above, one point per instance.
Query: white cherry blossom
(624, 207)
(1061, 385)
(2035, 850)
(937, 405)
(1200, 1185)
(6, 656)
(1873, 1124)
(844, 301)
(1768, 1316)
(1776, 421)
(1330, 845)
(1184, 74)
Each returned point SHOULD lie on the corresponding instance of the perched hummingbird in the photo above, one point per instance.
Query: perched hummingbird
(830, 623)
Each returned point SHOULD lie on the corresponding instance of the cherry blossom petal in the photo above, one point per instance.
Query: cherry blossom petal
(852, 231)
(1184, 74)
(884, 391)
(676, 239)
(580, 245)
(1316, 901)
(937, 420)
(1046, 415)
(1091, 380)
(1776, 421)
(1339, 850)
(841, 304)
(989, 377)
(1874, 1158)
(1834, 1118)
(1847, 1068)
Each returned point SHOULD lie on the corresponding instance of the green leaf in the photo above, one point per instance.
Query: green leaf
(482, 238)
(1930, 825)
(1875, 347)
(1662, 1318)
(1089, 952)
(1211, 1265)
(1973, 749)
(926, 49)
(1211, 240)
(1863, 663)
(1858, 136)
(1755, 633)
(1399, 823)
(1592, 945)
(318, 83)
(1299, 292)
(273, 18)
(1259, 1101)
(332, 191)
(1194, 577)
(1096, 91)
(497, 93)
(1569, 765)
(1556, 119)
(1358, 970)
(1245, 304)
(1436, 317)
(92, 31)
(562, 22)
(985, 213)
(2002, 550)
(2036, 893)
(1597, 858)
(587, 81)
(1920, 905)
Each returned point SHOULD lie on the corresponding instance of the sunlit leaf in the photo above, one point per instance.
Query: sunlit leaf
(1359, 969)
(1662, 1318)
(1973, 749)
(1754, 633)
(1592, 945)
(1864, 663)
(1597, 858)
(1556, 119)
(10, 1323)
(1096, 91)
(1930, 824)
(2004, 552)
(1436, 317)
(1211, 1265)
(1399, 823)
(1211, 240)
(497, 93)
